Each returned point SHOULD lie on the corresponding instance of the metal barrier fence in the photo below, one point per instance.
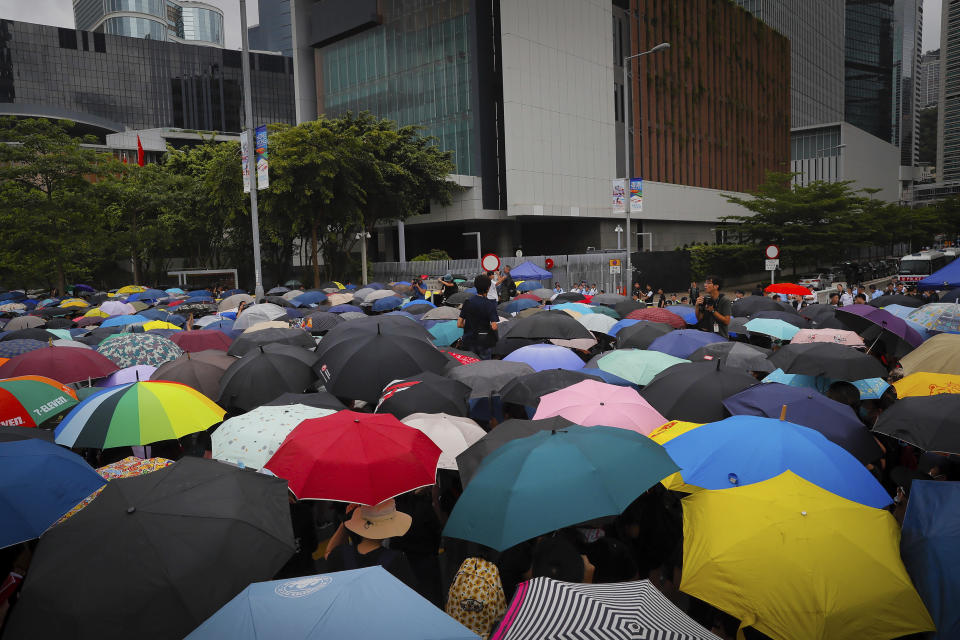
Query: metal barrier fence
(594, 268)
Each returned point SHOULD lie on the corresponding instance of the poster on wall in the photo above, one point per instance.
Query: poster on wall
(636, 194)
(245, 160)
(619, 196)
(260, 145)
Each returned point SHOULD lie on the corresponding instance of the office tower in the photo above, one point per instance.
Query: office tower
(165, 20)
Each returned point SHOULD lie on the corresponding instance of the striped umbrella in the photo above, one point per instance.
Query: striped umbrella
(136, 414)
(548, 608)
(29, 401)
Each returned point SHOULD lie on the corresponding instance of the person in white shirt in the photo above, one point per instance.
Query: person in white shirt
(593, 290)
(557, 288)
(492, 292)
(845, 298)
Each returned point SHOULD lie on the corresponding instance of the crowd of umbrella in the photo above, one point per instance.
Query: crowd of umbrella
(784, 526)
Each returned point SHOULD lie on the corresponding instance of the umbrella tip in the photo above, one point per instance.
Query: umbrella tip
(783, 413)
(131, 509)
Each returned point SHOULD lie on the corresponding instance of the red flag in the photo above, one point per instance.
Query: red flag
(139, 151)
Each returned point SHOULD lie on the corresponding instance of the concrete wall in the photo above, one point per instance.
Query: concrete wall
(870, 162)
(558, 106)
(304, 65)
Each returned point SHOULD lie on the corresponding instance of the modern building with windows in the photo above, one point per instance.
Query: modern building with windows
(274, 32)
(108, 84)
(166, 20)
(948, 132)
(527, 96)
(930, 79)
(868, 66)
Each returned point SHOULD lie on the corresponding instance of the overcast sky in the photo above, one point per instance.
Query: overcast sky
(60, 13)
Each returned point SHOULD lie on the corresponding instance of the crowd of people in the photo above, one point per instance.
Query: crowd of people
(474, 583)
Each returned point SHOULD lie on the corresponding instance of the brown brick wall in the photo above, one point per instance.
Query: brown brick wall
(716, 105)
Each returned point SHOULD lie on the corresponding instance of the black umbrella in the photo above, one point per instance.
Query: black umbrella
(905, 301)
(927, 422)
(155, 555)
(195, 372)
(458, 298)
(280, 301)
(608, 299)
(507, 431)
(641, 334)
(426, 392)
(60, 323)
(624, 308)
(507, 345)
(735, 355)
(487, 377)
(308, 358)
(829, 360)
(549, 325)
(261, 376)
(950, 296)
(569, 296)
(397, 326)
(695, 391)
(274, 335)
(35, 333)
(790, 318)
(98, 298)
(752, 304)
(98, 335)
(196, 308)
(418, 309)
(322, 321)
(360, 364)
(54, 312)
(9, 434)
(822, 316)
(527, 390)
(317, 399)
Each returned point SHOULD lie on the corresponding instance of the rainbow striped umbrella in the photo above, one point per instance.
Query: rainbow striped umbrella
(29, 401)
(136, 414)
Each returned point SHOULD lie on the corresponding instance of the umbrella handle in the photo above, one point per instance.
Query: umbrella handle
(783, 413)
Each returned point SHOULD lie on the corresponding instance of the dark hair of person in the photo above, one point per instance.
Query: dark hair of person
(482, 284)
(717, 280)
(844, 393)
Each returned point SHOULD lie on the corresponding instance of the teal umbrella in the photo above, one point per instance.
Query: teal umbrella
(636, 365)
(555, 479)
(445, 333)
(773, 327)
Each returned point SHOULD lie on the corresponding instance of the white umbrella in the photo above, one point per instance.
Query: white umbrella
(252, 438)
(269, 324)
(598, 322)
(452, 434)
(382, 293)
(205, 320)
(259, 313)
(441, 313)
(339, 298)
(234, 301)
(364, 292)
(290, 295)
(70, 343)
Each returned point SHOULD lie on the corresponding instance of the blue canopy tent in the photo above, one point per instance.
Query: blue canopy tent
(529, 271)
(946, 278)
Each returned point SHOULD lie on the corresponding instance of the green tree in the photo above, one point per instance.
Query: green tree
(46, 208)
(434, 254)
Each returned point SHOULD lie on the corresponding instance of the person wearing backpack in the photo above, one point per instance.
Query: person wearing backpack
(506, 285)
(476, 598)
(367, 529)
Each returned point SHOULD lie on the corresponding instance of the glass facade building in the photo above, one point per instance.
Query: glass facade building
(413, 68)
(908, 24)
(112, 83)
(275, 30)
(173, 20)
(869, 67)
(948, 153)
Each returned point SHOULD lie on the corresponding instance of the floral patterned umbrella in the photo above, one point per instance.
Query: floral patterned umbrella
(252, 438)
(131, 349)
(940, 316)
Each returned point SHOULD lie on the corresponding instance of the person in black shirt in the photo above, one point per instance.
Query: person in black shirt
(713, 310)
(478, 319)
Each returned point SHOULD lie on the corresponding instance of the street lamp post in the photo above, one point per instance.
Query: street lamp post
(626, 147)
(618, 230)
(251, 150)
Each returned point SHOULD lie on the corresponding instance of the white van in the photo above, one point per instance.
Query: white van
(917, 266)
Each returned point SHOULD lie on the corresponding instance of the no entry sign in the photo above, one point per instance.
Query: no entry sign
(490, 262)
(772, 252)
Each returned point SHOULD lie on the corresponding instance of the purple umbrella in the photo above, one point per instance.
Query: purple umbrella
(878, 324)
(546, 356)
(138, 373)
(682, 342)
(344, 308)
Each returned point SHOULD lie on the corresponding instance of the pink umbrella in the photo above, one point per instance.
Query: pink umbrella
(838, 336)
(591, 403)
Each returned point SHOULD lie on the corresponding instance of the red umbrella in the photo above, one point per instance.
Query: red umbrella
(201, 340)
(527, 296)
(355, 457)
(63, 364)
(655, 314)
(789, 289)
(88, 321)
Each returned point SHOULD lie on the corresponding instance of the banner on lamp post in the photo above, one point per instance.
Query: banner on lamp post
(245, 160)
(636, 194)
(260, 145)
(618, 195)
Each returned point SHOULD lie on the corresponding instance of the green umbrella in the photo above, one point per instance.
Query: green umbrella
(773, 327)
(636, 365)
(607, 311)
(29, 401)
(445, 333)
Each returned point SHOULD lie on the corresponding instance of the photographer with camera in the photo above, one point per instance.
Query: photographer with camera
(713, 309)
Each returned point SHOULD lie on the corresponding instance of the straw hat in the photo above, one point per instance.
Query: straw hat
(379, 521)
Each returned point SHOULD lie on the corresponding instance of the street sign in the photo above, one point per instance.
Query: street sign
(490, 262)
(614, 263)
(772, 252)
(548, 263)
(614, 269)
(772, 265)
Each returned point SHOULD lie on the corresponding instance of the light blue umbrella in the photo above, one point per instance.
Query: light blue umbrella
(445, 333)
(903, 312)
(516, 306)
(412, 303)
(626, 322)
(122, 321)
(773, 327)
(930, 547)
(528, 285)
(748, 449)
(387, 304)
(546, 356)
(685, 311)
(870, 388)
(579, 307)
(682, 342)
(361, 604)
(555, 479)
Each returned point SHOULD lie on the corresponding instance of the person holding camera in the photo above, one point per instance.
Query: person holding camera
(713, 309)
